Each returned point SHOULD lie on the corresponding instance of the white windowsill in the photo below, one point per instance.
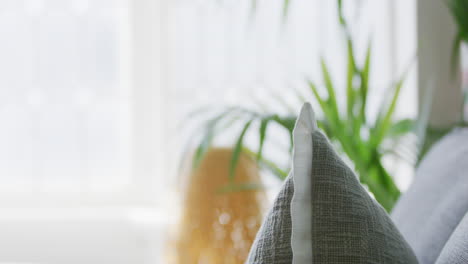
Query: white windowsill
(84, 235)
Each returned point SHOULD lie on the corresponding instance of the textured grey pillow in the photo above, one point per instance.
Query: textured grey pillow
(273, 241)
(437, 200)
(346, 225)
(456, 249)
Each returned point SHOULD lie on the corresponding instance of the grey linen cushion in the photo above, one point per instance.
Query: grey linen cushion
(273, 241)
(455, 250)
(346, 225)
(437, 200)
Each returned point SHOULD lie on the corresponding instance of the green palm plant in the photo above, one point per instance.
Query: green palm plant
(360, 139)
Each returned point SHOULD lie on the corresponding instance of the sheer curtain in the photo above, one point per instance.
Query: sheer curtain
(94, 94)
(64, 111)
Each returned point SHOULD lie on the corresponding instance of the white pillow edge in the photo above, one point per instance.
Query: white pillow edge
(301, 204)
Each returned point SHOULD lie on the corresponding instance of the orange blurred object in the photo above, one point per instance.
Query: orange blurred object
(219, 227)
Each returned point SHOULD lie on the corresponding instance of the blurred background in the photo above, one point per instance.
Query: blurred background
(110, 145)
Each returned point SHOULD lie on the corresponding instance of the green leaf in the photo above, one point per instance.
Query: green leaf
(268, 164)
(340, 13)
(317, 96)
(240, 187)
(384, 118)
(332, 124)
(287, 122)
(455, 59)
(351, 73)
(365, 82)
(401, 127)
(209, 136)
(374, 169)
(386, 179)
(262, 134)
(237, 150)
(212, 128)
(329, 115)
(286, 4)
(381, 194)
(325, 126)
(273, 168)
(332, 102)
(374, 175)
(203, 147)
(459, 10)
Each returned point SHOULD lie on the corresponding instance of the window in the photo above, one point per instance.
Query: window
(90, 90)
(64, 107)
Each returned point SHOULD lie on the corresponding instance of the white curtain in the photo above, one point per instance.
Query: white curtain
(66, 106)
(63, 110)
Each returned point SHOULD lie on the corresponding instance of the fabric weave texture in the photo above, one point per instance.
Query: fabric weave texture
(273, 241)
(455, 250)
(347, 226)
(430, 210)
